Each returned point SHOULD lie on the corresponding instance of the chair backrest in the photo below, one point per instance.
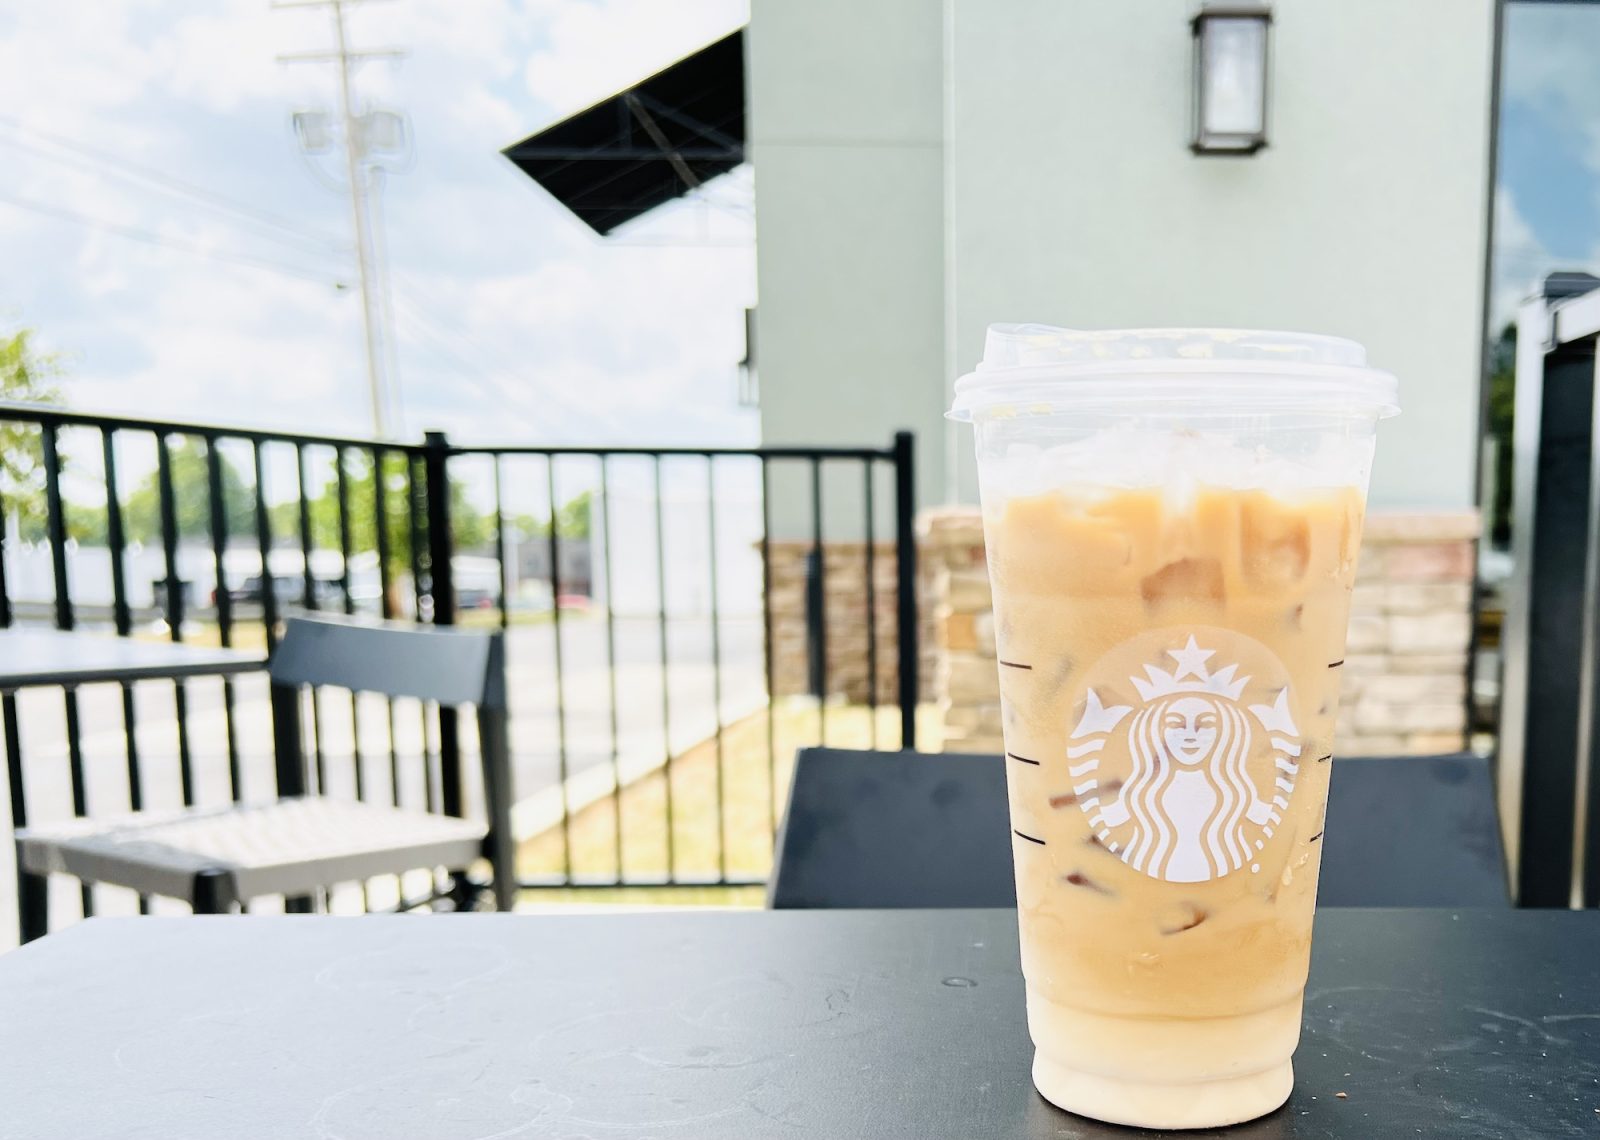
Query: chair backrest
(399, 659)
(1412, 831)
(449, 667)
(907, 829)
(894, 829)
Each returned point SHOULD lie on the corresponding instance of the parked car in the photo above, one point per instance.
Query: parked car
(288, 590)
(477, 582)
(476, 597)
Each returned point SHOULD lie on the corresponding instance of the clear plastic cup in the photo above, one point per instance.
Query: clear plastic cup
(1172, 518)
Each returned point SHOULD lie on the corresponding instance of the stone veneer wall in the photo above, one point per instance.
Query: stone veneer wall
(1405, 670)
(845, 590)
(1405, 667)
(966, 680)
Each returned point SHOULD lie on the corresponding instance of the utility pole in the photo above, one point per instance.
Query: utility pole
(371, 310)
(362, 135)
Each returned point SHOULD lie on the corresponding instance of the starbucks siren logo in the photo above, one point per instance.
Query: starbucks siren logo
(1187, 791)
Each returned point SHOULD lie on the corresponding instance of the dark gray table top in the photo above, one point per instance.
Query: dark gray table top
(54, 657)
(834, 1024)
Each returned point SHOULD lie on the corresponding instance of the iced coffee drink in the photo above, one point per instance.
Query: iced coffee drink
(1172, 521)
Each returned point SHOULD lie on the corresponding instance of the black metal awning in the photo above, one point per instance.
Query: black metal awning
(656, 141)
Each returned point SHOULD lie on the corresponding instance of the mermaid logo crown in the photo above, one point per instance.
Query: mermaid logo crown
(1191, 661)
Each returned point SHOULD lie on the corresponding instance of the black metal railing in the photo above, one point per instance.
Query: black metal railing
(896, 460)
(309, 513)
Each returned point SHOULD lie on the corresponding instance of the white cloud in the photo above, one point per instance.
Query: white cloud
(514, 322)
(225, 54)
(594, 49)
(1549, 70)
(1520, 260)
(1550, 65)
(492, 34)
(596, 337)
(59, 67)
(485, 114)
(212, 347)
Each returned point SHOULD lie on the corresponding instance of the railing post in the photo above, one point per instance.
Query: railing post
(442, 592)
(816, 631)
(905, 549)
(441, 542)
(56, 524)
(441, 536)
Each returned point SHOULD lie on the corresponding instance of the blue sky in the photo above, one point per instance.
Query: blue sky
(1548, 201)
(237, 305)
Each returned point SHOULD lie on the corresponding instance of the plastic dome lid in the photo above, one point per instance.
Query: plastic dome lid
(1028, 368)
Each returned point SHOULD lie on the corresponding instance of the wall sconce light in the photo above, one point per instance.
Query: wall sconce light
(1230, 78)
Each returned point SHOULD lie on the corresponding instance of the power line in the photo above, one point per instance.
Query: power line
(152, 237)
(450, 347)
(305, 242)
(482, 363)
(128, 169)
(418, 326)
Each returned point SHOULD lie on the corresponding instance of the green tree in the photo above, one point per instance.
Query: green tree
(26, 375)
(1499, 418)
(191, 496)
(573, 519)
(473, 529)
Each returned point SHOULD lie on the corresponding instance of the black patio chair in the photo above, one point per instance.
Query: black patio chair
(300, 843)
(908, 829)
(894, 830)
(1412, 831)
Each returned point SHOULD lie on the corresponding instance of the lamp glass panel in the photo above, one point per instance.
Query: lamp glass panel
(1234, 76)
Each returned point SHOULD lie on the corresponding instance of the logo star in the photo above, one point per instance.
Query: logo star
(1191, 660)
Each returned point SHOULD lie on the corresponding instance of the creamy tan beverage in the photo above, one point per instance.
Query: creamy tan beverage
(1172, 570)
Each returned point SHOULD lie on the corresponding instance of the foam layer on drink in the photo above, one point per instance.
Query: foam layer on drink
(1170, 659)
